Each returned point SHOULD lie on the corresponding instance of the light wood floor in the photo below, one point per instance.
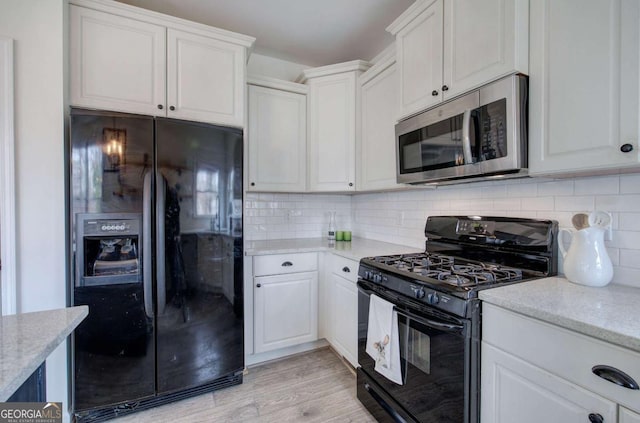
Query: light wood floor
(311, 387)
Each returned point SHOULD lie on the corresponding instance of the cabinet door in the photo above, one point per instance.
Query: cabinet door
(583, 85)
(483, 40)
(332, 132)
(419, 53)
(205, 79)
(277, 140)
(377, 158)
(344, 318)
(285, 310)
(116, 63)
(515, 391)
(628, 416)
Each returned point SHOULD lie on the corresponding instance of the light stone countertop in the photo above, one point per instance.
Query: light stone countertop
(610, 313)
(354, 250)
(27, 339)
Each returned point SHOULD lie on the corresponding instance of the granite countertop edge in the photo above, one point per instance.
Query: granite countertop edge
(27, 339)
(605, 313)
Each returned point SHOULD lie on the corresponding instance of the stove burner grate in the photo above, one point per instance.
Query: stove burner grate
(444, 269)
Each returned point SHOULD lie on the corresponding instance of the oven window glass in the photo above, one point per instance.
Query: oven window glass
(436, 146)
(418, 347)
(493, 130)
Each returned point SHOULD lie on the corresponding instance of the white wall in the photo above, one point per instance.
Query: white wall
(37, 26)
(260, 65)
(399, 217)
(285, 216)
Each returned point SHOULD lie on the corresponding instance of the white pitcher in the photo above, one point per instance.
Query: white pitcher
(587, 261)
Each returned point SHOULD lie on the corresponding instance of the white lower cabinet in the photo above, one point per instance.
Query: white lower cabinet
(285, 300)
(343, 308)
(516, 391)
(533, 371)
(628, 416)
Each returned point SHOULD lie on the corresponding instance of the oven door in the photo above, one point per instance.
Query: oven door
(436, 362)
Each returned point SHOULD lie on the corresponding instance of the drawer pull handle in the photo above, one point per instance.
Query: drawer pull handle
(258, 285)
(616, 376)
(596, 418)
(346, 269)
(287, 264)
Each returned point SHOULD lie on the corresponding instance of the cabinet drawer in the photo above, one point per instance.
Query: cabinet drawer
(345, 267)
(277, 264)
(562, 352)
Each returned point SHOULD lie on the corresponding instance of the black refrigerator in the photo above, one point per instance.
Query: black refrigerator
(155, 239)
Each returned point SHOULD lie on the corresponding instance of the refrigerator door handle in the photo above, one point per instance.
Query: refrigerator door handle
(160, 241)
(147, 286)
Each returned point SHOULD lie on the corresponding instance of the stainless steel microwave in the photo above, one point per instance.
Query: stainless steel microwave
(482, 134)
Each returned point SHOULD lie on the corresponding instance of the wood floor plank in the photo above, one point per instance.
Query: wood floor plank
(314, 387)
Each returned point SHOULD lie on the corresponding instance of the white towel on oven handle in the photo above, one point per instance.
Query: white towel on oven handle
(383, 340)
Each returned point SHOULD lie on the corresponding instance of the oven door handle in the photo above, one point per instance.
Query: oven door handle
(442, 326)
(448, 327)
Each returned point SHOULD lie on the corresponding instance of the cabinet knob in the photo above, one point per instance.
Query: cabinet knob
(445, 88)
(434, 93)
(258, 285)
(172, 108)
(596, 418)
(287, 264)
(350, 184)
(253, 184)
(626, 148)
(346, 269)
(160, 106)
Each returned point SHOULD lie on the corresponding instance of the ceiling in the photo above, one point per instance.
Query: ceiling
(308, 32)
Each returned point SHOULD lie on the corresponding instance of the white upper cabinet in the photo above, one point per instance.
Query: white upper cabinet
(205, 79)
(376, 161)
(116, 63)
(277, 136)
(583, 84)
(128, 59)
(419, 55)
(333, 125)
(447, 47)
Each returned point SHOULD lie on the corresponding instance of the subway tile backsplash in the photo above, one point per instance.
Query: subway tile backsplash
(399, 217)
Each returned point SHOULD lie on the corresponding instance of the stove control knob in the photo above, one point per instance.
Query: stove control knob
(419, 293)
(433, 298)
(377, 278)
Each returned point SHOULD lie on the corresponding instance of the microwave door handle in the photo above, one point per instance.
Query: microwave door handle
(147, 286)
(466, 137)
(160, 242)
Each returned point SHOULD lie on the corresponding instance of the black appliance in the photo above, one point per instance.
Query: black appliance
(156, 251)
(435, 295)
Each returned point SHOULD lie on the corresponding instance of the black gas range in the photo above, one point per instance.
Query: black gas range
(435, 294)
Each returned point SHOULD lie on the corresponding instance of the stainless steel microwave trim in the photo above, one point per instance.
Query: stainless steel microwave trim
(514, 90)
